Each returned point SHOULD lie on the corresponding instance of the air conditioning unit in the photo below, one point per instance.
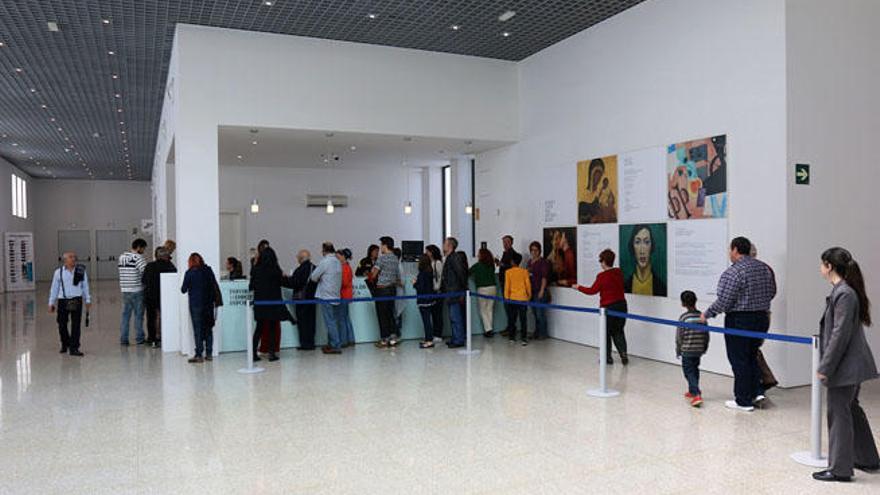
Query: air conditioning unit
(320, 200)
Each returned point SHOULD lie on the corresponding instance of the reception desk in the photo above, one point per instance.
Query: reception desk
(230, 331)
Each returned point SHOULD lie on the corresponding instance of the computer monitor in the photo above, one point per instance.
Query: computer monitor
(411, 250)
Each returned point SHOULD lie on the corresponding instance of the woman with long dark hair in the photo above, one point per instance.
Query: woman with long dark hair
(644, 279)
(199, 285)
(266, 281)
(437, 310)
(846, 362)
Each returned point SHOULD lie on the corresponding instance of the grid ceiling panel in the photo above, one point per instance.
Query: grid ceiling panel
(87, 131)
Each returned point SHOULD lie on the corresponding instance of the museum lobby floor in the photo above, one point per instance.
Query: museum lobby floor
(512, 420)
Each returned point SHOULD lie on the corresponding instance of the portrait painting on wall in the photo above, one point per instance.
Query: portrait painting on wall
(597, 190)
(643, 259)
(560, 249)
(697, 179)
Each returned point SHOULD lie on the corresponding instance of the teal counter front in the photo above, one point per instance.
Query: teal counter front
(233, 337)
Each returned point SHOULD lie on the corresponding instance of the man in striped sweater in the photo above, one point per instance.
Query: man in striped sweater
(131, 266)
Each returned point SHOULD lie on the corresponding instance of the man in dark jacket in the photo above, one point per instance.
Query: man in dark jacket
(304, 290)
(152, 293)
(455, 279)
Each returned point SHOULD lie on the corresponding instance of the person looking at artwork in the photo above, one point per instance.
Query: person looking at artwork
(846, 362)
(609, 286)
(539, 274)
(690, 345)
(518, 287)
(644, 279)
(437, 310)
(483, 273)
(745, 292)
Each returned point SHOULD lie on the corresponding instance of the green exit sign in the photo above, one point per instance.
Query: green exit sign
(802, 174)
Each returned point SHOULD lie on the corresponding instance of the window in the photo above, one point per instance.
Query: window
(447, 202)
(19, 197)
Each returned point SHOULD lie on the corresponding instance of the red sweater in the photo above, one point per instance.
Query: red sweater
(609, 286)
(347, 289)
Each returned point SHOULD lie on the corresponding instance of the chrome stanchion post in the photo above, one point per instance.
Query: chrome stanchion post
(248, 328)
(814, 457)
(603, 390)
(467, 326)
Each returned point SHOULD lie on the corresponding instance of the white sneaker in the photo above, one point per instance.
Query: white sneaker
(731, 404)
(438, 340)
(759, 400)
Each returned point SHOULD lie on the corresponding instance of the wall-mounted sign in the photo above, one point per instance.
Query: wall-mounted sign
(802, 174)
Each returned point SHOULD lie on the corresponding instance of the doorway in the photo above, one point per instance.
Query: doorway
(80, 242)
(110, 244)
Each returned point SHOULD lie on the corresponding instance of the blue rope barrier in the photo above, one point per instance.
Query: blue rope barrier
(295, 302)
(650, 319)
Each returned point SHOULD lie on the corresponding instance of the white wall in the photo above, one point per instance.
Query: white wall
(659, 73)
(833, 125)
(226, 77)
(375, 208)
(8, 222)
(79, 204)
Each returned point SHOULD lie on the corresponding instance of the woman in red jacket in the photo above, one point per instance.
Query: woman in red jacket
(609, 286)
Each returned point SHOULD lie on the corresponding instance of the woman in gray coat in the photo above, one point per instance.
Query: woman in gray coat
(846, 363)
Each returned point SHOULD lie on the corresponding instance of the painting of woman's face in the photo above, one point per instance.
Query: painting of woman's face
(642, 244)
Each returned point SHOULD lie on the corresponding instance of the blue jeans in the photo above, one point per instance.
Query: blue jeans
(132, 302)
(690, 365)
(427, 313)
(540, 315)
(202, 335)
(346, 329)
(456, 319)
(330, 313)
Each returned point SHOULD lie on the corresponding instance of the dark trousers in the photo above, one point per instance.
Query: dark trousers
(540, 315)
(850, 440)
(154, 323)
(690, 365)
(437, 317)
(521, 312)
(203, 332)
(742, 352)
(385, 312)
(306, 318)
(511, 313)
(614, 329)
(70, 340)
(427, 313)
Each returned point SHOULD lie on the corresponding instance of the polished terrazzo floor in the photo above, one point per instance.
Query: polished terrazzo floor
(512, 420)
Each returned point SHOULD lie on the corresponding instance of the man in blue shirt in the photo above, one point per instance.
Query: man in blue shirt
(328, 275)
(70, 289)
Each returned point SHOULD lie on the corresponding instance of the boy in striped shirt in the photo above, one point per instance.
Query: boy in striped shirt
(690, 345)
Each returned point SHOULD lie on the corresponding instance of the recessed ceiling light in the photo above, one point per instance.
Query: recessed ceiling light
(96, 134)
(2, 44)
(53, 26)
(118, 110)
(43, 106)
(19, 70)
(105, 21)
(33, 90)
(505, 34)
(506, 16)
(59, 129)
(268, 3)
(118, 95)
(67, 139)
(111, 52)
(122, 132)
(354, 148)
(455, 27)
(239, 157)
(254, 143)
(372, 16)
(121, 123)
(115, 76)
(51, 119)
(15, 144)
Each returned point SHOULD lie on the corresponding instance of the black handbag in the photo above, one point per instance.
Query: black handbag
(70, 305)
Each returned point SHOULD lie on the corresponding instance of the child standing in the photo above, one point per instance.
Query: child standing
(518, 287)
(424, 285)
(690, 345)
